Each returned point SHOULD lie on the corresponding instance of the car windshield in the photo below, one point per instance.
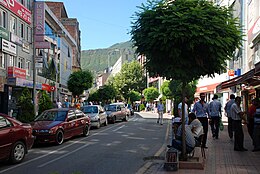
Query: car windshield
(52, 116)
(111, 108)
(90, 109)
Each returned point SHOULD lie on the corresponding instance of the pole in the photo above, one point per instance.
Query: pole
(34, 67)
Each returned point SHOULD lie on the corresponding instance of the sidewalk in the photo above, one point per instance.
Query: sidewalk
(220, 157)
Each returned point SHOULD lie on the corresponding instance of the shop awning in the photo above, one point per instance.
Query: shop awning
(229, 83)
(207, 88)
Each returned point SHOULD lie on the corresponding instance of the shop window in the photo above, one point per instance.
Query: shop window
(13, 24)
(2, 60)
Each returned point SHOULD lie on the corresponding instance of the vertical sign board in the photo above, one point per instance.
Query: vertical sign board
(39, 18)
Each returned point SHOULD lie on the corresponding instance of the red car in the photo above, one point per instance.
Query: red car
(15, 139)
(55, 125)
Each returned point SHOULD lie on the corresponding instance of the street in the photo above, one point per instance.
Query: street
(117, 148)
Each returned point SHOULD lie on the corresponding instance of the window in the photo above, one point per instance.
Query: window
(3, 19)
(2, 60)
(22, 30)
(11, 61)
(71, 115)
(20, 62)
(4, 122)
(13, 24)
(28, 68)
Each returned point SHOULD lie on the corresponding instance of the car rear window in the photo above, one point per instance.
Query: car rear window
(90, 109)
(52, 116)
(111, 108)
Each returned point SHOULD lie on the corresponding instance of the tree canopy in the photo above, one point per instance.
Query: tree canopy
(151, 93)
(185, 39)
(80, 81)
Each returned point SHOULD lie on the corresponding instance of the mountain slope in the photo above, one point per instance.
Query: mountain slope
(98, 60)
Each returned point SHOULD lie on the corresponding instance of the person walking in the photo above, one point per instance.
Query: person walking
(59, 104)
(227, 110)
(215, 116)
(237, 114)
(160, 109)
(200, 109)
(256, 130)
(185, 110)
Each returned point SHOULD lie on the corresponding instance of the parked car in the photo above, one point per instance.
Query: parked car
(15, 139)
(116, 111)
(55, 125)
(97, 115)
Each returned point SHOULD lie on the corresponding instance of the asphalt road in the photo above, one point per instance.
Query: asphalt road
(123, 147)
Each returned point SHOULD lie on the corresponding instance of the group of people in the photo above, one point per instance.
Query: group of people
(205, 114)
(66, 104)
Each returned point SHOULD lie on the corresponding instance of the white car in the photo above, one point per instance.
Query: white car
(97, 115)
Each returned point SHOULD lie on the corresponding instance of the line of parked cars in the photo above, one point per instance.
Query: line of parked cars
(54, 126)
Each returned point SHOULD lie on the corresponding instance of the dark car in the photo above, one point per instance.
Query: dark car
(15, 139)
(97, 115)
(57, 124)
(116, 111)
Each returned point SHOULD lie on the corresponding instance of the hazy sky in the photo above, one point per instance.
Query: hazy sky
(102, 22)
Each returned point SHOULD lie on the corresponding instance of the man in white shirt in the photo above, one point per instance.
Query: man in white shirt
(185, 110)
(160, 109)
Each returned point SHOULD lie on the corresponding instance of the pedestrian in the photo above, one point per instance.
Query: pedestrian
(160, 109)
(66, 103)
(227, 110)
(250, 118)
(200, 109)
(59, 104)
(185, 110)
(256, 130)
(215, 116)
(237, 115)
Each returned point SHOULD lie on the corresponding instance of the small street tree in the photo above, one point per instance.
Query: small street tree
(44, 102)
(25, 105)
(80, 81)
(184, 40)
(134, 96)
(106, 93)
(151, 93)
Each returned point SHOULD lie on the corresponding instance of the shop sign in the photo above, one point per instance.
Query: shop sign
(48, 87)
(18, 9)
(231, 72)
(4, 33)
(42, 45)
(254, 31)
(39, 17)
(16, 39)
(26, 47)
(8, 47)
(23, 83)
(16, 72)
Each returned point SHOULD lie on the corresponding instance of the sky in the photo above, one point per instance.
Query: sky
(102, 22)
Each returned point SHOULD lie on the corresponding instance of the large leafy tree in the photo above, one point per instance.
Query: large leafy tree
(185, 39)
(106, 93)
(80, 81)
(131, 77)
(151, 93)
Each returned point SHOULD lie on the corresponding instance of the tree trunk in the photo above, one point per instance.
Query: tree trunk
(184, 155)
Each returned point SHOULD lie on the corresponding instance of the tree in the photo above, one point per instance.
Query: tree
(80, 81)
(185, 39)
(106, 93)
(44, 102)
(134, 96)
(131, 77)
(151, 93)
(25, 105)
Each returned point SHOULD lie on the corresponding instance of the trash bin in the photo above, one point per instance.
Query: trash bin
(171, 160)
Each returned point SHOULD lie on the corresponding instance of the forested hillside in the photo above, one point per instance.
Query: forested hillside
(97, 60)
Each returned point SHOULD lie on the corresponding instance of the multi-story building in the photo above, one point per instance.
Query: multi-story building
(51, 51)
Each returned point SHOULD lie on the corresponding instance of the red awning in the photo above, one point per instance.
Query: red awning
(207, 88)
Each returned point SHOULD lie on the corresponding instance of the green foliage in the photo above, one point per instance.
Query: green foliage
(106, 93)
(44, 102)
(97, 59)
(142, 107)
(80, 81)
(166, 91)
(133, 96)
(25, 105)
(94, 96)
(151, 93)
(130, 77)
(185, 39)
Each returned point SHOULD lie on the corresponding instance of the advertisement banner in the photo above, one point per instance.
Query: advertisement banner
(18, 9)
(39, 17)
(16, 72)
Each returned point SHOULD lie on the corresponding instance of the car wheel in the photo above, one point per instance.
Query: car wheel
(113, 119)
(59, 137)
(106, 122)
(98, 124)
(86, 131)
(18, 152)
